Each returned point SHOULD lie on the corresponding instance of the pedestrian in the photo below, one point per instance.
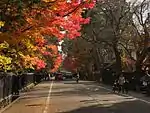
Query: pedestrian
(49, 76)
(77, 79)
(121, 83)
(115, 86)
(126, 86)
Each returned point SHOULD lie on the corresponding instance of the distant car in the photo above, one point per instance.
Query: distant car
(144, 87)
(68, 75)
(58, 76)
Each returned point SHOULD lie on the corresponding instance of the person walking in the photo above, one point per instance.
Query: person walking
(126, 86)
(115, 86)
(77, 79)
(121, 83)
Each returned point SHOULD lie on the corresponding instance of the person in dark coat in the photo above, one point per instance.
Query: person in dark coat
(115, 86)
(126, 86)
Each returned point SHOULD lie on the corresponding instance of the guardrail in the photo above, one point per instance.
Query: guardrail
(11, 85)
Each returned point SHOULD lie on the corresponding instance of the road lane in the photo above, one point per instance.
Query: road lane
(48, 98)
(70, 97)
(33, 101)
(88, 97)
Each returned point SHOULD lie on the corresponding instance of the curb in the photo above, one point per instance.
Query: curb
(22, 90)
(27, 87)
(126, 95)
(9, 105)
(5, 101)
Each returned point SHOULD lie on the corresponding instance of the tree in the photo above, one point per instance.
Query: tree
(135, 40)
(109, 21)
(142, 25)
(26, 27)
(79, 56)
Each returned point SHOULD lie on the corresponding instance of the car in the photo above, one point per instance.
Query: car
(68, 75)
(145, 81)
(58, 76)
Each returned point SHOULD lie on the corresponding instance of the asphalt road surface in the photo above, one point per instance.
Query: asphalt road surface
(84, 97)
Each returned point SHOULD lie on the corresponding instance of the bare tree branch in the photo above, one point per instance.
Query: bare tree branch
(127, 50)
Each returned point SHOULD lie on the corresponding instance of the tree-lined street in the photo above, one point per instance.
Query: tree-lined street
(85, 97)
(53, 44)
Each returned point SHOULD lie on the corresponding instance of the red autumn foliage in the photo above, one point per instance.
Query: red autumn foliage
(56, 18)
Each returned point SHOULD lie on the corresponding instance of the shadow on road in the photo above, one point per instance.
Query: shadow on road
(80, 82)
(124, 107)
(82, 89)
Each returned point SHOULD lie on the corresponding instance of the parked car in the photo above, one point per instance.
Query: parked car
(68, 75)
(144, 86)
(58, 76)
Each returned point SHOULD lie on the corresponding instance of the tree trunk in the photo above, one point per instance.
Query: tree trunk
(96, 59)
(118, 60)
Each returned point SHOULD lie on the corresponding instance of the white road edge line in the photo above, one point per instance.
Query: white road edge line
(48, 99)
(147, 102)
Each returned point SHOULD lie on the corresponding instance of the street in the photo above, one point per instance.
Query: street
(70, 97)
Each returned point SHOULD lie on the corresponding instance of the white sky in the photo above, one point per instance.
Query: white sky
(59, 47)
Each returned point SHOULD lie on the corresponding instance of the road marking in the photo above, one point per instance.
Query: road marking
(147, 102)
(48, 98)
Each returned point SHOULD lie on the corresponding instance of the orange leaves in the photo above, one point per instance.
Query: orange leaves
(61, 19)
(57, 63)
(33, 62)
(30, 20)
(40, 41)
(56, 18)
(54, 49)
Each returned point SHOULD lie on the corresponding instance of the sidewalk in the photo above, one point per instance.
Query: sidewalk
(32, 101)
(9, 99)
(136, 95)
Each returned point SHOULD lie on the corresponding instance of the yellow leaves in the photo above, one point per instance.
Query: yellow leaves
(18, 48)
(48, 1)
(2, 24)
(29, 20)
(5, 60)
(5, 63)
(4, 45)
(21, 54)
(55, 8)
(27, 61)
(28, 44)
